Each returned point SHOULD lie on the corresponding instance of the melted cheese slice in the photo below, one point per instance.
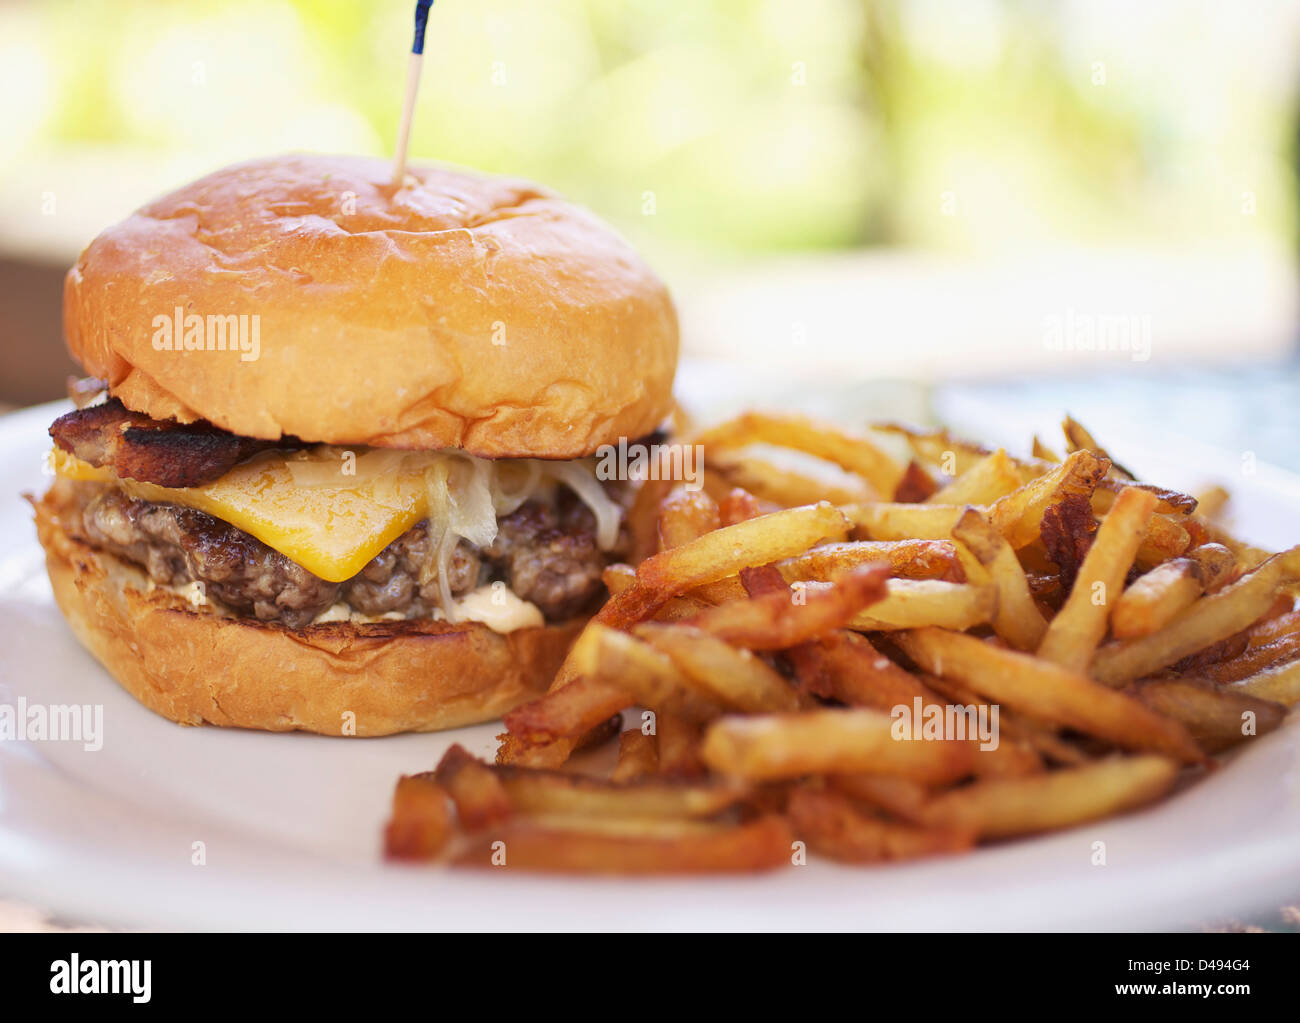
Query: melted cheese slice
(332, 510)
(332, 526)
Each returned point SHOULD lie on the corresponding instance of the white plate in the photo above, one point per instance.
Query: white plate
(290, 823)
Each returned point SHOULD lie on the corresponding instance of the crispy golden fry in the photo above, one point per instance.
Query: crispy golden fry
(583, 704)
(892, 520)
(1077, 438)
(832, 826)
(1217, 718)
(685, 516)
(666, 847)
(916, 484)
(1012, 725)
(1155, 598)
(678, 740)
(854, 454)
(1042, 451)
(739, 505)
(844, 666)
(897, 796)
(1253, 660)
(1016, 617)
(638, 756)
(1166, 538)
(721, 672)
(512, 749)
(725, 551)
(1080, 625)
(991, 478)
(1000, 807)
(1048, 692)
(420, 826)
(647, 675)
(786, 486)
(481, 800)
(913, 602)
(910, 559)
(1269, 630)
(1019, 515)
(1218, 565)
(559, 792)
(618, 577)
(1279, 683)
(796, 613)
(1211, 502)
(1209, 620)
(772, 746)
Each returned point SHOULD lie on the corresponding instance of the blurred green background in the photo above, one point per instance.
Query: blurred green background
(757, 124)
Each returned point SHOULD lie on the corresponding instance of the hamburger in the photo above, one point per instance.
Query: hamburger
(332, 469)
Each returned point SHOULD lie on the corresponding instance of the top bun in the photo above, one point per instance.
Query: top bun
(457, 311)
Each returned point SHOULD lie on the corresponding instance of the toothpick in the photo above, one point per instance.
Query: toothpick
(412, 90)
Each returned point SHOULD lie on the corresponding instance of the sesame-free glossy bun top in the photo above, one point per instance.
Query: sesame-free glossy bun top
(459, 310)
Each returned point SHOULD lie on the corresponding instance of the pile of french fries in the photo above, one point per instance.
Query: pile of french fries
(775, 620)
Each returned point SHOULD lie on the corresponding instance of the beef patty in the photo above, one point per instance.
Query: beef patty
(546, 554)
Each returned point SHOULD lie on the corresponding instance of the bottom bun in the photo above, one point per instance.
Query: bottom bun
(337, 678)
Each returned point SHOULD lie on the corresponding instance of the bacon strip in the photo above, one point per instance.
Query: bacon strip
(167, 453)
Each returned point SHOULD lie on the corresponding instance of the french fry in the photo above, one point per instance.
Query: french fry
(851, 453)
(685, 516)
(678, 740)
(1156, 597)
(1077, 438)
(559, 792)
(832, 826)
(1253, 660)
(910, 559)
(844, 666)
(647, 675)
(897, 796)
(481, 800)
(909, 603)
(1211, 502)
(991, 478)
(1218, 718)
(916, 485)
(739, 505)
(420, 825)
(721, 672)
(618, 577)
(660, 847)
(1001, 807)
(1279, 683)
(1016, 617)
(891, 520)
(1079, 626)
(773, 746)
(794, 614)
(1209, 620)
(1019, 515)
(1166, 538)
(787, 487)
(725, 551)
(638, 756)
(1217, 565)
(1048, 692)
